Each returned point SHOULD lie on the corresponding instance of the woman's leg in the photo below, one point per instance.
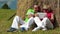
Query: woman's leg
(37, 28)
(47, 23)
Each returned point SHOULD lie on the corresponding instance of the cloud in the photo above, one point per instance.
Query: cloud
(11, 3)
(3, 0)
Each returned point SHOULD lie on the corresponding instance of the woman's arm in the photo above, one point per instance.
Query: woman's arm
(52, 16)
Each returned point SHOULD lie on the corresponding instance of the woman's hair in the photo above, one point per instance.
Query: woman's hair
(50, 10)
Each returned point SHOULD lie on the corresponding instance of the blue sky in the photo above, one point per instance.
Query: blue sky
(11, 3)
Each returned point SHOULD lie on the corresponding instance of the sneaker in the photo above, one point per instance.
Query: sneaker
(22, 29)
(11, 30)
(44, 29)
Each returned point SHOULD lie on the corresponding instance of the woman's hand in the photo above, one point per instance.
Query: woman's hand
(52, 17)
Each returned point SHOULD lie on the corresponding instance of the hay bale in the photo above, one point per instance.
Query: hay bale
(23, 5)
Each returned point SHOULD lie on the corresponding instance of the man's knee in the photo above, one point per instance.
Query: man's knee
(16, 18)
(36, 18)
(45, 19)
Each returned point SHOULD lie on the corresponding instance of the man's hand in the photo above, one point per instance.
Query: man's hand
(30, 15)
(36, 15)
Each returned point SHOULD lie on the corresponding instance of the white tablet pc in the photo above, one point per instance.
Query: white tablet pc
(42, 15)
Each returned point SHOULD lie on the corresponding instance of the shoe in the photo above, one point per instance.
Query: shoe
(22, 29)
(44, 29)
(11, 30)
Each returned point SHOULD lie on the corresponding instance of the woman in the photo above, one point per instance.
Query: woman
(49, 12)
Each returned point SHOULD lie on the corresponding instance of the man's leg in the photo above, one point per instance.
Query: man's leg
(14, 25)
(17, 20)
(38, 23)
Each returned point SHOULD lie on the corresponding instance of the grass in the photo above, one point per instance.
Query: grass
(5, 24)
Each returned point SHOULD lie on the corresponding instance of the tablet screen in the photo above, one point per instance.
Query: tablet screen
(42, 15)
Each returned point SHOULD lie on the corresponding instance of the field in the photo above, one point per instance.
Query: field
(5, 14)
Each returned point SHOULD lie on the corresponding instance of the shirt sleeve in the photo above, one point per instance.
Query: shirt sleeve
(30, 11)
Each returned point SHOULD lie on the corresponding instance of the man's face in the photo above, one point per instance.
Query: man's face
(36, 8)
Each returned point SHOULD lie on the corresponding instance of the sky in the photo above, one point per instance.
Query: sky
(11, 3)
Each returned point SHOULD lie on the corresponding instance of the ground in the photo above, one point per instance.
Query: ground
(5, 14)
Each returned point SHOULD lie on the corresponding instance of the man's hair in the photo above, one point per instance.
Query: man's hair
(38, 7)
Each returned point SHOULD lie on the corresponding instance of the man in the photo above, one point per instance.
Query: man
(17, 20)
(43, 23)
(27, 25)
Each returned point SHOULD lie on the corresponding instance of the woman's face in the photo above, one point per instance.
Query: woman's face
(44, 10)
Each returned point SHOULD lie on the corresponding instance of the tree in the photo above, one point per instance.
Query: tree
(5, 6)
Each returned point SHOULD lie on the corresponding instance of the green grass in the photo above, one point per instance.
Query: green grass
(5, 24)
